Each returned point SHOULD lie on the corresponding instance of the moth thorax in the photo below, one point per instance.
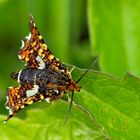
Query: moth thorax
(73, 86)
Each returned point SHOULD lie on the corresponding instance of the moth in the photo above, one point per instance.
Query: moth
(44, 77)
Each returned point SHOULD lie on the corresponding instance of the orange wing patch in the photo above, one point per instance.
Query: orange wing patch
(15, 96)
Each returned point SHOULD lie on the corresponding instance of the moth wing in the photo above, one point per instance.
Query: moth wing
(15, 98)
(19, 97)
(42, 50)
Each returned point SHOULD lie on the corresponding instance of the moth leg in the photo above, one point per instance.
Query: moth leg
(53, 94)
(69, 98)
(71, 71)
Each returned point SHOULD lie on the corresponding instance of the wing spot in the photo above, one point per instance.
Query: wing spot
(28, 37)
(48, 100)
(30, 102)
(62, 70)
(11, 87)
(33, 91)
(10, 111)
(43, 55)
(19, 56)
(34, 43)
(44, 46)
(40, 51)
(18, 79)
(41, 62)
(51, 57)
(31, 51)
(18, 96)
(41, 97)
(56, 91)
(40, 37)
(23, 44)
(22, 106)
(33, 24)
(26, 59)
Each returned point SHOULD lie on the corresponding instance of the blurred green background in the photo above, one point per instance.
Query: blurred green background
(75, 31)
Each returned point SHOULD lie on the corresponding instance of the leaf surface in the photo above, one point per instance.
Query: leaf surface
(106, 108)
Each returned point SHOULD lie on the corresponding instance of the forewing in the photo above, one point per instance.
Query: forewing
(36, 54)
(42, 50)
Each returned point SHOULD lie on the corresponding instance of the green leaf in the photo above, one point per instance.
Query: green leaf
(114, 34)
(47, 122)
(114, 102)
(106, 108)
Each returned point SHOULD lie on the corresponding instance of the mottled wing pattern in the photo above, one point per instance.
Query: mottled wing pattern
(35, 53)
(14, 98)
(29, 55)
(41, 48)
(18, 98)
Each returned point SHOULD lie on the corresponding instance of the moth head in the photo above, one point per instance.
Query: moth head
(74, 86)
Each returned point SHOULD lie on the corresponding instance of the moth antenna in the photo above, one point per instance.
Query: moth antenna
(72, 96)
(69, 109)
(94, 62)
